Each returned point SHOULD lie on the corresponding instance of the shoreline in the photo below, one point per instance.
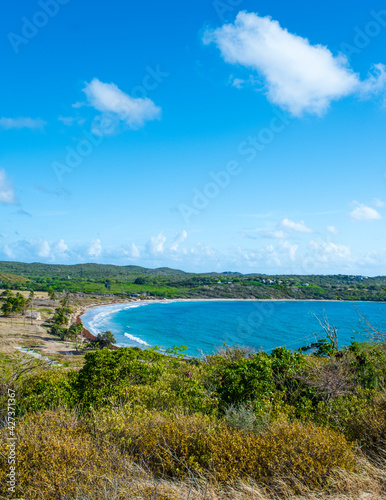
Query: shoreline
(146, 301)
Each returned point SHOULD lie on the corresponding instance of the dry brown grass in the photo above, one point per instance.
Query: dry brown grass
(59, 460)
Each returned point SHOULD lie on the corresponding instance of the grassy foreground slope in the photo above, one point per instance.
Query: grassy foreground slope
(135, 424)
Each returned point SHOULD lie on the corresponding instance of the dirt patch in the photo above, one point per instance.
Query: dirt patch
(21, 331)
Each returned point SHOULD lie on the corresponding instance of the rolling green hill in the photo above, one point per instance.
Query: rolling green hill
(171, 283)
(95, 271)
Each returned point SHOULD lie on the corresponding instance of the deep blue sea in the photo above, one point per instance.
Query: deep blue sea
(203, 326)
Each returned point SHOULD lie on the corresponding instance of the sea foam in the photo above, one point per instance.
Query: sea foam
(135, 339)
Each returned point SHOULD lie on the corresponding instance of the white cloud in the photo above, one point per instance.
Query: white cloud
(95, 248)
(375, 83)
(43, 249)
(38, 249)
(123, 253)
(326, 252)
(299, 77)
(109, 99)
(7, 194)
(180, 238)
(295, 226)
(278, 234)
(240, 83)
(59, 247)
(290, 248)
(68, 121)
(379, 203)
(155, 245)
(31, 123)
(361, 212)
(262, 257)
(332, 230)
(133, 251)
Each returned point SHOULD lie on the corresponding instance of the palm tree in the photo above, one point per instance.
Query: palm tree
(7, 308)
(31, 297)
(65, 301)
(60, 317)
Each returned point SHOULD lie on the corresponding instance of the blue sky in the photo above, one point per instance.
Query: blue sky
(213, 135)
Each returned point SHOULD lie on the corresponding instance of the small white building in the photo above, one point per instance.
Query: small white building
(33, 315)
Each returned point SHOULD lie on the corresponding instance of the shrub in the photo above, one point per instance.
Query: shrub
(246, 379)
(107, 372)
(370, 429)
(175, 389)
(105, 339)
(368, 361)
(56, 458)
(48, 389)
(304, 453)
(181, 444)
(245, 419)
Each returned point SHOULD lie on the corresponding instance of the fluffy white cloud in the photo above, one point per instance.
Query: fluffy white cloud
(361, 212)
(155, 245)
(7, 194)
(31, 123)
(39, 249)
(59, 247)
(327, 252)
(109, 99)
(133, 251)
(263, 257)
(299, 77)
(291, 248)
(375, 83)
(332, 230)
(95, 248)
(122, 253)
(180, 238)
(300, 227)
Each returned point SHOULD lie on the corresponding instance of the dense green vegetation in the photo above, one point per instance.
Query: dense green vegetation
(169, 283)
(285, 418)
(14, 303)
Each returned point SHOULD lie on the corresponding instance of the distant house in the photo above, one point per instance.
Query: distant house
(33, 315)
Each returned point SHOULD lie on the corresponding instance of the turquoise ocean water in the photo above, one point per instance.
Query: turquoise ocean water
(204, 325)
